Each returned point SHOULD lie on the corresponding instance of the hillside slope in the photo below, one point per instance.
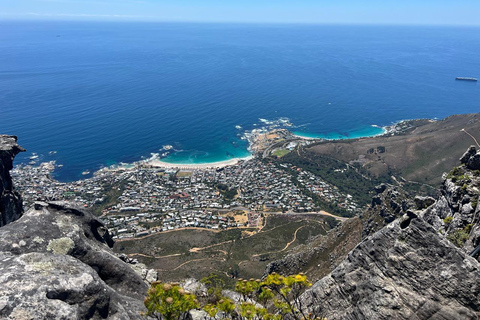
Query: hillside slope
(423, 265)
(421, 153)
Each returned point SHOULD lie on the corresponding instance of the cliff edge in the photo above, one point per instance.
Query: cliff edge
(56, 261)
(10, 201)
(423, 265)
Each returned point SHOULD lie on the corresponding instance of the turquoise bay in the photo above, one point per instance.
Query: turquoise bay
(104, 93)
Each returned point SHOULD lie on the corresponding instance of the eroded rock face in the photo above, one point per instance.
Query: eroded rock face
(322, 254)
(456, 214)
(56, 263)
(404, 271)
(424, 265)
(10, 201)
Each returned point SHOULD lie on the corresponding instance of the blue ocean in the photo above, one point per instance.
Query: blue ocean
(104, 93)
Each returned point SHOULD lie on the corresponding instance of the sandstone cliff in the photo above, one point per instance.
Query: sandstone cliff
(404, 271)
(10, 201)
(423, 265)
(56, 261)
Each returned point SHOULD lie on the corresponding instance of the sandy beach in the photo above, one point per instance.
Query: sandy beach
(306, 138)
(211, 165)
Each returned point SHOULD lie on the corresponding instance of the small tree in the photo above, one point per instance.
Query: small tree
(275, 298)
(169, 301)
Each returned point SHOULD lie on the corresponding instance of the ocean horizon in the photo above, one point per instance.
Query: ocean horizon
(92, 94)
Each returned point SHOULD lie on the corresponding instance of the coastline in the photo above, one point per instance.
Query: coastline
(209, 165)
(304, 138)
(307, 136)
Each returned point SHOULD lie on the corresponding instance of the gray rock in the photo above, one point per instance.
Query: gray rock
(468, 154)
(404, 271)
(474, 162)
(40, 285)
(423, 202)
(408, 269)
(10, 201)
(56, 263)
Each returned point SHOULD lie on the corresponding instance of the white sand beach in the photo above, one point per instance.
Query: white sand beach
(211, 165)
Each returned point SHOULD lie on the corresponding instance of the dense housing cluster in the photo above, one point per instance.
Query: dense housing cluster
(141, 200)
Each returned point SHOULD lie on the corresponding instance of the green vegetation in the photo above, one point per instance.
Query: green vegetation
(112, 192)
(456, 171)
(275, 298)
(169, 301)
(475, 203)
(459, 177)
(227, 193)
(460, 236)
(280, 153)
(232, 253)
(448, 220)
(350, 179)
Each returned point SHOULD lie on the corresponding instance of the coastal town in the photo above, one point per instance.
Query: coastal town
(154, 196)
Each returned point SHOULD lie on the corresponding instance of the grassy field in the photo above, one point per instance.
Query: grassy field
(280, 153)
(198, 252)
(184, 174)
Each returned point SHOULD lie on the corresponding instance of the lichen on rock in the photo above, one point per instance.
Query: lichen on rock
(61, 246)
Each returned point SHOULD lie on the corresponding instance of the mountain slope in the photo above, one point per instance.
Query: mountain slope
(421, 153)
(423, 265)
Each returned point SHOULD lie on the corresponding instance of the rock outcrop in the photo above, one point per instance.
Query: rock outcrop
(322, 254)
(10, 201)
(56, 263)
(423, 265)
(456, 214)
(404, 271)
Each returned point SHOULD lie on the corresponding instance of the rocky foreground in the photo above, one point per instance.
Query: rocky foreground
(417, 258)
(423, 265)
(56, 261)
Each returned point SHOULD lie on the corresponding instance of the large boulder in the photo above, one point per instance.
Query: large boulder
(56, 263)
(404, 271)
(468, 154)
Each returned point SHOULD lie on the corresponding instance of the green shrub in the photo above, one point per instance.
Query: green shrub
(457, 171)
(460, 236)
(448, 220)
(474, 203)
(277, 298)
(169, 301)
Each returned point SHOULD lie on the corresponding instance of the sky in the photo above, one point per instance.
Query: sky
(437, 12)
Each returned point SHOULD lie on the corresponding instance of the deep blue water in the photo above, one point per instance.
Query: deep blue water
(102, 93)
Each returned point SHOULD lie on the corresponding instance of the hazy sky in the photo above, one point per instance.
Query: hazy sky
(465, 12)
